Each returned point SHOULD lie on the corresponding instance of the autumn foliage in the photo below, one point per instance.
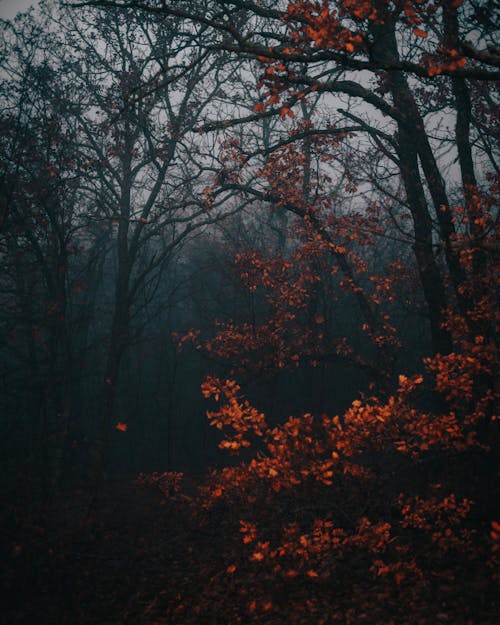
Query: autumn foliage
(367, 513)
(386, 513)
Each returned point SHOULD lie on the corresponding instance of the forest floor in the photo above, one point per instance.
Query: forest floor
(131, 556)
(123, 557)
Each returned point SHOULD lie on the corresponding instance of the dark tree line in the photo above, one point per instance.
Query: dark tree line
(146, 145)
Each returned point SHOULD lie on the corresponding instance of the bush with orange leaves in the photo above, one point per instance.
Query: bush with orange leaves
(360, 517)
(388, 513)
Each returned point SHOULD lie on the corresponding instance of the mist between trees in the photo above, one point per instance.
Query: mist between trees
(216, 188)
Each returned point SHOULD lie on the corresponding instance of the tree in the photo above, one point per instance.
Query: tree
(40, 239)
(102, 191)
(334, 43)
(304, 489)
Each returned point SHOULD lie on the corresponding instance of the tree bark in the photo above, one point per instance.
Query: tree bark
(412, 142)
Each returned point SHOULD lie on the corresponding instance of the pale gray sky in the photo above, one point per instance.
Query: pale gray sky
(10, 8)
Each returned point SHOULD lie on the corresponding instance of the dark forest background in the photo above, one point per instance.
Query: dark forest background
(284, 213)
(108, 251)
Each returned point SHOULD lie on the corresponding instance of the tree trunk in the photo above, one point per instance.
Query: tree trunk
(411, 136)
(120, 328)
(430, 276)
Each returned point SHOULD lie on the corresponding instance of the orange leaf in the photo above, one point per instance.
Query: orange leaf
(284, 111)
(419, 33)
(231, 569)
(121, 426)
(258, 108)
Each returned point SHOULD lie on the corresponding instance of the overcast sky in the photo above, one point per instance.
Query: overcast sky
(10, 8)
